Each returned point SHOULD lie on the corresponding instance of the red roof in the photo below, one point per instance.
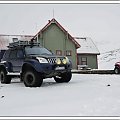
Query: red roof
(54, 21)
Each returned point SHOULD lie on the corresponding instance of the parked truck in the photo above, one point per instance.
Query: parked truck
(33, 63)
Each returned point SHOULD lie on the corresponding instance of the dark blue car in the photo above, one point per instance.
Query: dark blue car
(33, 63)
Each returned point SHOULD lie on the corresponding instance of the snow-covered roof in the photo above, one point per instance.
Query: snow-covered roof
(6, 39)
(87, 46)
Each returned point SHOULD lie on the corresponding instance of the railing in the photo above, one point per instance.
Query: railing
(23, 43)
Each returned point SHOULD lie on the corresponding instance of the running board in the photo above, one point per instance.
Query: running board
(14, 74)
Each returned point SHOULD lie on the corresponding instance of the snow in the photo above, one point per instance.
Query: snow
(87, 46)
(108, 59)
(6, 39)
(84, 95)
(109, 53)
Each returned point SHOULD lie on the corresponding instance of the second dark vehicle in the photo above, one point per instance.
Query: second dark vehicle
(33, 63)
(117, 68)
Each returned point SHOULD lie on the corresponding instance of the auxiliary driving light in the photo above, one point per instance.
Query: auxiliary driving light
(64, 61)
(58, 61)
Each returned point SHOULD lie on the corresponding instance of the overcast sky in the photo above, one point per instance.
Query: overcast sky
(101, 22)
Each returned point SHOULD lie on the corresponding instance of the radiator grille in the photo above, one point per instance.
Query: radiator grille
(53, 60)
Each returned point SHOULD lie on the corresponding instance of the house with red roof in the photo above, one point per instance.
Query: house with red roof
(55, 38)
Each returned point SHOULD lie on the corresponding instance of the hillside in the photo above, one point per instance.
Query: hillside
(107, 59)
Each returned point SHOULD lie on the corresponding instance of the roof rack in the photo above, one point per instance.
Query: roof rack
(23, 43)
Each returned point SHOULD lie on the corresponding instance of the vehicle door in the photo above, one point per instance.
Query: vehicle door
(16, 59)
(19, 60)
(12, 59)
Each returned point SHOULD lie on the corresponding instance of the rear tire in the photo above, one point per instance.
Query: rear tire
(65, 77)
(117, 71)
(4, 78)
(32, 79)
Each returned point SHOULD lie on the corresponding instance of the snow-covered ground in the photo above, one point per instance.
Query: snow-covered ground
(84, 95)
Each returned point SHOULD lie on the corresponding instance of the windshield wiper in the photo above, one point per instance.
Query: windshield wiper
(45, 54)
(33, 54)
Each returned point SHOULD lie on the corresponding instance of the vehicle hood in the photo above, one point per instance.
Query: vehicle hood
(46, 56)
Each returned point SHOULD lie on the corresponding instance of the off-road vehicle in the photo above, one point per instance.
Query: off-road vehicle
(33, 63)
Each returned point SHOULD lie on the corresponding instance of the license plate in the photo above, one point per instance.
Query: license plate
(59, 68)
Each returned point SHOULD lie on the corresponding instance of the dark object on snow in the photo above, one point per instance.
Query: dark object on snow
(117, 68)
(108, 85)
(2, 96)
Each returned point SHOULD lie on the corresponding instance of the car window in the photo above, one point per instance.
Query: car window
(20, 54)
(13, 54)
(6, 55)
(37, 51)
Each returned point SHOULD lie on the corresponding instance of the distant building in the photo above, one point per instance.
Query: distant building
(55, 38)
(6, 39)
(87, 53)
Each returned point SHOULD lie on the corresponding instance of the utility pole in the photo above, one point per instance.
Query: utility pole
(53, 13)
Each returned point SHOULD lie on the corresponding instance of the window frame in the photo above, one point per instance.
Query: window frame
(67, 53)
(83, 61)
(59, 51)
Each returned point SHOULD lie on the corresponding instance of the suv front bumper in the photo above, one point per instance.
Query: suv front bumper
(51, 70)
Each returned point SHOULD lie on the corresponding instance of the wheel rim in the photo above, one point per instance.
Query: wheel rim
(29, 79)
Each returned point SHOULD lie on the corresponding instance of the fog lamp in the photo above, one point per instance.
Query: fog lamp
(58, 61)
(64, 61)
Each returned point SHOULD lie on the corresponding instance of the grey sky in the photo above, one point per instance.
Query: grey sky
(101, 22)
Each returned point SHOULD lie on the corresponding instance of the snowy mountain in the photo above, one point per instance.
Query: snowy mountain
(108, 59)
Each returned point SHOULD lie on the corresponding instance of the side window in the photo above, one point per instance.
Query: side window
(6, 55)
(68, 53)
(13, 54)
(20, 54)
(58, 52)
(84, 60)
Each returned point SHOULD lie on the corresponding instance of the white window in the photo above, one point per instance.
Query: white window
(58, 52)
(68, 53)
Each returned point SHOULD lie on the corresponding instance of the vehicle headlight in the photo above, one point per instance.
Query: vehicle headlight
(42, 60)
(58, 61)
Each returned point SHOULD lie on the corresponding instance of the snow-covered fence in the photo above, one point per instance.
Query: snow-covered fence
(93, 71)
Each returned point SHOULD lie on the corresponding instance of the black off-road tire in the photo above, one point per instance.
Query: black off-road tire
(32, 79)
(117, 71)
(4, 78)
(65, 77)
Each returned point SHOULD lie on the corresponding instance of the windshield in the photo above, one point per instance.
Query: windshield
(37, 51)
